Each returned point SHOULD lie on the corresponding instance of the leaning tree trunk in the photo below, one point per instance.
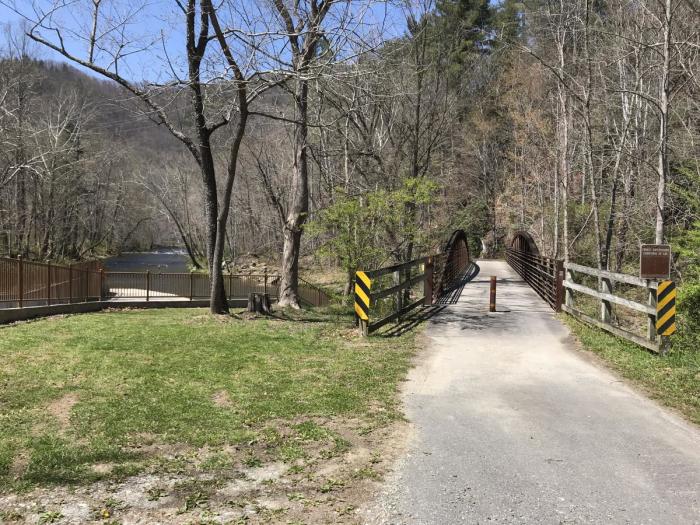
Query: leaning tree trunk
(299, 204)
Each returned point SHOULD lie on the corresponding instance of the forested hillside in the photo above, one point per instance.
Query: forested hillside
(576, 121)
(73, 154)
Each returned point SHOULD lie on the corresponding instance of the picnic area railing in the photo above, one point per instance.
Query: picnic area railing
(26, 283)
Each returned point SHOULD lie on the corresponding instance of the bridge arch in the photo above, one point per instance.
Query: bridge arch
(457, 250)
(523, 241)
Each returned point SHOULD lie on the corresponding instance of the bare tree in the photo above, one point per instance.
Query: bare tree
(220, 90)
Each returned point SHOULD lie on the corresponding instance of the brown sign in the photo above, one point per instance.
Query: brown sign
(655, 261)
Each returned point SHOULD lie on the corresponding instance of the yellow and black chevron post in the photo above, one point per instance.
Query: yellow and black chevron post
(363, 284)
(666, 308)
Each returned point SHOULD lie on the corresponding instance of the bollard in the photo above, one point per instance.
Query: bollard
(492, 302)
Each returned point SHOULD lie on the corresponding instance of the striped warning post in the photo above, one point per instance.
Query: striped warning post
(666, 308)
(362, 295)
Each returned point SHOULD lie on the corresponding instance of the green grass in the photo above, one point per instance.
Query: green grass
(138, 378)
(673, 379)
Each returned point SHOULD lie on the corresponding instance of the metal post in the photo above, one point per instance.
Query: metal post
(70, 283)
(492, 299)
(605, 306)
(148, 285)
(20, 280)
(191, 285)
(428, 283)
(48, 284)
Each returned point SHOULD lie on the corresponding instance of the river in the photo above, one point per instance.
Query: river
(165, 260)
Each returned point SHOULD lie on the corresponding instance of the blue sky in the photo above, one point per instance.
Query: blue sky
(158, 27)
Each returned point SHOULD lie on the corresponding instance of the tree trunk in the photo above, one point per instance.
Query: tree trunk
(299, 203)
(663, 126)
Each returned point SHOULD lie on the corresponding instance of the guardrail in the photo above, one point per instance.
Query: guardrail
(544, 274)
(606, 298)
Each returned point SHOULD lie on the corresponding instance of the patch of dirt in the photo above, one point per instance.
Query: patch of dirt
(222, 399)
(19, 465)
(61, 409)
(330, 482)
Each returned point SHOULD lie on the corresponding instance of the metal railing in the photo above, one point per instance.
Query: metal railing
(544, 274)
(25, 283)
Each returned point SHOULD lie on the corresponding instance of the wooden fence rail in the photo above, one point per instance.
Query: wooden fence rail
(606, 297)
(388, 294)
(403, 277)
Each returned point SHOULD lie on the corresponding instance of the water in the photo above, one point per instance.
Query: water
(165, 260)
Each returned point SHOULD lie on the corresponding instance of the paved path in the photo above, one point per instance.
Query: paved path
(513, 425)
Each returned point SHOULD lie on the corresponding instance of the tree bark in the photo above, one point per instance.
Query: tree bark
(663, 125)
(299, 202)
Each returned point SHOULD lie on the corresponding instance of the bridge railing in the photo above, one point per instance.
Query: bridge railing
(544, 274)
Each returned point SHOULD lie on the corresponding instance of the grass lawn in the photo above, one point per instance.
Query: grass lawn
(673, 379)
(190, 398)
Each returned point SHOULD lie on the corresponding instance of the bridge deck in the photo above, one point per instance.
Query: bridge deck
(514, 425)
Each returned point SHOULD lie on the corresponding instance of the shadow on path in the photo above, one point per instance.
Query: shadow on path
(450, 296)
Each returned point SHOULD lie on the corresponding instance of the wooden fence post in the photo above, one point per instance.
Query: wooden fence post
(568, 292)
(70, 283)
(559, 269)
(399, 295)
(651, 320)
(605, 306)
(102, 284)
(266, 280)
(148, 285)
(364, 327)
(20, 281)
(48, 284)
(191, 285)
(428, 283)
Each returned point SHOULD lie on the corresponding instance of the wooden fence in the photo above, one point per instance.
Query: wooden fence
(556, 282)
(25, 283)
(608, 295)
(390, 297)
